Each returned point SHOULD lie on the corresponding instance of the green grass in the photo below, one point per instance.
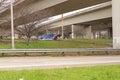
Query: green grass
(84, 73)
(70, 43)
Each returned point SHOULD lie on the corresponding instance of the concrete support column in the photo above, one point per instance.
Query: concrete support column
(116, 23)
(92, 34)
(72, 27)
(88, 32)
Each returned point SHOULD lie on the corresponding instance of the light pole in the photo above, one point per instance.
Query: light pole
(12, 24)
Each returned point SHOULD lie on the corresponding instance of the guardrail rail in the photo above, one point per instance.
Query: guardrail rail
(58, 50)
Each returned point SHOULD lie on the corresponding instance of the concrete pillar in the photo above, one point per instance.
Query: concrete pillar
(72, 27)
(88, 32)
(116, 23)
(92, 34)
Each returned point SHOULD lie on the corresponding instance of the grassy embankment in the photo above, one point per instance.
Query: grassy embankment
(83, 73)
(71, 43)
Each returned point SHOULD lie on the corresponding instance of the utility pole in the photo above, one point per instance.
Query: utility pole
(62, 17)
(12, 24)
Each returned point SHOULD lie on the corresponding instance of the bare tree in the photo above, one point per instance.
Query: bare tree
(27, 30)
(30, 28)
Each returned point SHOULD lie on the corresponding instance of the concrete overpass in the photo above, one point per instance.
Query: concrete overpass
(53, 7)
(61, 6)
(95, 18)
(97, 13)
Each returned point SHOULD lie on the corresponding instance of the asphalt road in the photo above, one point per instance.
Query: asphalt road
(56, 62)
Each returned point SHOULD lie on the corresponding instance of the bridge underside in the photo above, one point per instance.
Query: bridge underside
(101, 28)
(55, 9)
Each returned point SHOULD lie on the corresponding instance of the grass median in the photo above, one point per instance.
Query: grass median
(82, 73)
